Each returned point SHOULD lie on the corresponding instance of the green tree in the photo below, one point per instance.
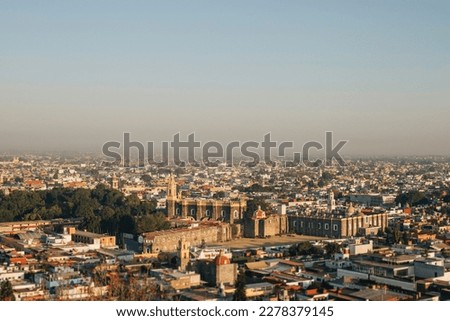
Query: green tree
(413, 198)
(6, 215)
(133, 201)
(220, 195)
(446, 198)
(146, 178)
(102, 210)
(303, 248)
(326, 176)
(396, 235)
(127, 224)
(253, 204)
(6, 291)
(332, 248)
(240, 294)
(152, 222)
(406, 237)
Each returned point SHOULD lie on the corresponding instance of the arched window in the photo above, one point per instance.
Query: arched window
(236, 214)
(208, 213)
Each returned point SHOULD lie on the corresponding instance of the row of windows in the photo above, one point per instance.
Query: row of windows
(207, 213)
(326, 226)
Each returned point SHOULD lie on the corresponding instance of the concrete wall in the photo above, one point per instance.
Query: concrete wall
(356, 249)
(427, 271)
(167, 241)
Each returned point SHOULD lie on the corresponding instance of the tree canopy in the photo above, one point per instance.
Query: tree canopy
(304, 248)
(253, 204)
(240, 293)
(102, 210)
(332, 248)
(413, 198)
(6, 291)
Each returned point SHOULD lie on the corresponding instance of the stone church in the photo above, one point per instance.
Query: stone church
(229, 211)
(262, 225)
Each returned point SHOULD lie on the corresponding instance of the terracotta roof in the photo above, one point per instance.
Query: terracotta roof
(221, 260)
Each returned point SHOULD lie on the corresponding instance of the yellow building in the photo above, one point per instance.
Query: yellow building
(104, 241)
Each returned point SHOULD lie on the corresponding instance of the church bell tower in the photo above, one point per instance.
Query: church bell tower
(171, 196)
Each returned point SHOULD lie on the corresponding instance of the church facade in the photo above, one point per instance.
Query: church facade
(262, 225)
(335, 224)
(229, 211)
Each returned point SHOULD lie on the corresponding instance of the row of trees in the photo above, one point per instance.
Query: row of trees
(306, 248)
(413, 198)
(102, 210)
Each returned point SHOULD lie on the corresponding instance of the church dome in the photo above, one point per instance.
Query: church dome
(221, 259)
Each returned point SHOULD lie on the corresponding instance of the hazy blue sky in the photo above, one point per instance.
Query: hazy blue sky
(74, 74)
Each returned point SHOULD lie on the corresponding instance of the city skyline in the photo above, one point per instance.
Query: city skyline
(77, 229)
(75, 75)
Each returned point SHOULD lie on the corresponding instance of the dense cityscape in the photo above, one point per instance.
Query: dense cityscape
(75, 228)
(224, 159)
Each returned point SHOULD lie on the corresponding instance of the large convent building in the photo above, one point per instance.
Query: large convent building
(212, 221)
(226, 210)
(335, 223)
